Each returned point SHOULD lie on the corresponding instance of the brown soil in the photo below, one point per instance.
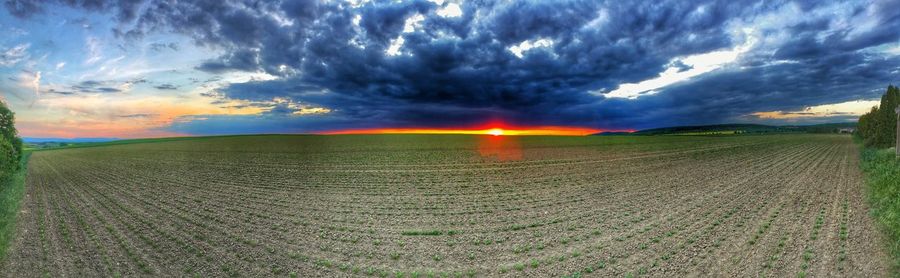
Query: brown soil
(326, 206)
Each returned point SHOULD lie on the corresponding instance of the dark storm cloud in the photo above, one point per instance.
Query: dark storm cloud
(240, 60)
(734, 94)
(459, 70)
(22, 8)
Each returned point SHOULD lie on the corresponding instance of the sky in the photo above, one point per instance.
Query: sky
(152, 68)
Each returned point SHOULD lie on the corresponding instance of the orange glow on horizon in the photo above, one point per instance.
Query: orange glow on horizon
(493, 130)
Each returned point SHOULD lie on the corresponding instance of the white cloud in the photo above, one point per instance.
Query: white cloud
(242, 77)
(356, 19)
(412, 23)
(282, 19)
(26, 81)
(524, 46)
(698, 65)
(358, 3)
(14, 55)
(394, 48)
(37, 83)
(60, 65)
(893, 50)
(357, 40)
(451, 10)
(599, 21)
(93, 48)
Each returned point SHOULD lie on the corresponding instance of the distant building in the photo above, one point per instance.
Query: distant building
(847, 130)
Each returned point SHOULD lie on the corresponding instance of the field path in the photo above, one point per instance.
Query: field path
(450, 206)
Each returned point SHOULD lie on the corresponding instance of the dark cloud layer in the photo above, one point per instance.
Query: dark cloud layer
(459, 70)
(166, 86)
(163, 46)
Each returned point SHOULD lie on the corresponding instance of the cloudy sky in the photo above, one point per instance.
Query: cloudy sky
(141, 68)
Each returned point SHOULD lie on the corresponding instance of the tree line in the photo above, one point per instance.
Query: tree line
(10, 144)
(878, 127)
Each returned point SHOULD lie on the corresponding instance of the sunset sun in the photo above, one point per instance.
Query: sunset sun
(495, 131)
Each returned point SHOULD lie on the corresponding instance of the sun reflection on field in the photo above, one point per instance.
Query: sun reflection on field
(499, 148)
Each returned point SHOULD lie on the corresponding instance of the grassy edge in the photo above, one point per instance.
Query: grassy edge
(882, 175)
(11, 193)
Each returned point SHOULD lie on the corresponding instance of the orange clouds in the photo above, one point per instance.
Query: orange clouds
(118, 116)
(83, 129)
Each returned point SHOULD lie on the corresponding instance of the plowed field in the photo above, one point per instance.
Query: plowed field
(429, 205)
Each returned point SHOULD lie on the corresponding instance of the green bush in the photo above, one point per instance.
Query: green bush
(12, 176)
(8, 160)
(10, 146)
(878, 128)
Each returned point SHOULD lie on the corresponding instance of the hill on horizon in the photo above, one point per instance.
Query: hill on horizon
(720, 129)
